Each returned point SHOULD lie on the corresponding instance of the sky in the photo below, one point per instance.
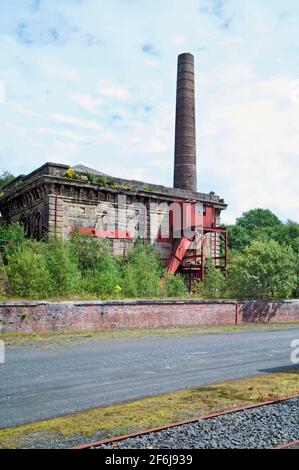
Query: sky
(94, 82)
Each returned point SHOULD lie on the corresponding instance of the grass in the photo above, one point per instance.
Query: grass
(65, 337)
(153, 411)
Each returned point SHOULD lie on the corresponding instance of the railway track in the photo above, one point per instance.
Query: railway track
(289, 445)
(271, 424)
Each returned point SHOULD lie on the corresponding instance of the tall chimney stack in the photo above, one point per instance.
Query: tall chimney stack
(185, 140)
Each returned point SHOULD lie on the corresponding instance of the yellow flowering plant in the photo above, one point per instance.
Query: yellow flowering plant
(70, 173)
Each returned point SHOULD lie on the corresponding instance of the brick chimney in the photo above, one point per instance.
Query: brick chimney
(185, 140)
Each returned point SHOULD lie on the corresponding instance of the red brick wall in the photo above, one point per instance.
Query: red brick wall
(259, 311)
(40, 316)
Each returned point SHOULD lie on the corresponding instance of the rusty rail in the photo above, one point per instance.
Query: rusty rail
(188, 421)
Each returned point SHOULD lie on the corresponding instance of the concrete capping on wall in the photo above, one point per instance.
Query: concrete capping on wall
(31, 316)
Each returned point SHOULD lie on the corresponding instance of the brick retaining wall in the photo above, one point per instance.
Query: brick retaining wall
(41, 316)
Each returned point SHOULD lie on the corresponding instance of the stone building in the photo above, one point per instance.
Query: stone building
(55, 200)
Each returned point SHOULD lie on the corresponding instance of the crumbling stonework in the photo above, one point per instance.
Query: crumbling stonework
(49, 203)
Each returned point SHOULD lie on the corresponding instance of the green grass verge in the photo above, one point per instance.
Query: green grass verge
(65, 337)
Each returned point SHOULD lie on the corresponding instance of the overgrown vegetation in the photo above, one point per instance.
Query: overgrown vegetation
(5, 178)
(264, 257)
(263, 270)
(263, 264)
(263, 260)
(83, 266)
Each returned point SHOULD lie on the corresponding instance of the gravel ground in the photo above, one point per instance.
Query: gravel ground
(264, 427)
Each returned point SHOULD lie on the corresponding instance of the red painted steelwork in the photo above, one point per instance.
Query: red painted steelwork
(209, 217)
(100, 233)
(180, 248)
(191, 262)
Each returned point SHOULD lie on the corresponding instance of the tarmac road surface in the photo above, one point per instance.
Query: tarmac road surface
(42, 383)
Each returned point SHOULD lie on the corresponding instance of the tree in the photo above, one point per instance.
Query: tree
(238, 237)
(258, 218)
(263, 271)
(256, 224)
(288, 234)
(5, 178)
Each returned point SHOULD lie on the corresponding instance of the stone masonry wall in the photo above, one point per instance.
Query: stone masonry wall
(42, 316)
(81, 209)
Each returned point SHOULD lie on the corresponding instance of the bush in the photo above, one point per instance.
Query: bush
(142, 272)
(174, 285)
(198, 288)
(263, 271)
(28, 272)
(101, 271)
(62, 266)
(104, 284)
(214, 286)
(12, 232)
(89, 252)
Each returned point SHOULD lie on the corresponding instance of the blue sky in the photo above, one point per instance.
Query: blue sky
(93, 82)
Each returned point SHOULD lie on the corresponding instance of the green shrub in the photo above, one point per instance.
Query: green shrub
(104, 284)
(89, 251)
(214, 286)
(101, 180)
(62, 266)
(198, 288)
(265, 270)
(110, 182)
(12, 232)
(92, 178)
(28, 272)
(142, 272)
(174, 286)
(101, 271)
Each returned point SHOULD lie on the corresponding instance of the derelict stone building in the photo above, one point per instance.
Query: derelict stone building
(55, 200)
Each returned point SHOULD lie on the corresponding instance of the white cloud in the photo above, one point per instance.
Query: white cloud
(262, 24)
(61, 71)
(151, 61)
(227, 218)
(63, 152)
(178, 40)
(88, 102)
(73, 121)
(67, 134)
(252, 143)
(24, 110)
(2, 92)
(112, 90)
